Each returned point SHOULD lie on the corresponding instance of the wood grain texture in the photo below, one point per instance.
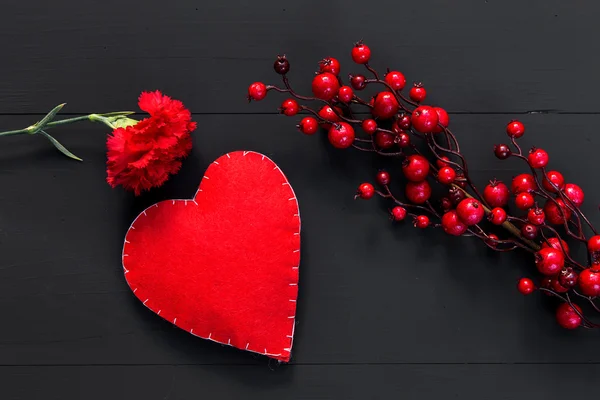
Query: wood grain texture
(370, 291)
(351, 382)
(476, 56)
(385, 311)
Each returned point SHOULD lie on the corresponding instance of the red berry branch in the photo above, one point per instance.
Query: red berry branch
(418, 136)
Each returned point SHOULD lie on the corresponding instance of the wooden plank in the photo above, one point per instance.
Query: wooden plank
(370, 291)
(509, 56)
(507, 381)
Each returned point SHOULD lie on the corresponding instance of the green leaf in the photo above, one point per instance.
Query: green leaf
(60, 147)
(49, 117)
(117, 113)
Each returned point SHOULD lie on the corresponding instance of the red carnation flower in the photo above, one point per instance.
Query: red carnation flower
(144, 154)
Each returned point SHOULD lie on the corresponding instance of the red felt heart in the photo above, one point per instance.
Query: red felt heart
(223, 265)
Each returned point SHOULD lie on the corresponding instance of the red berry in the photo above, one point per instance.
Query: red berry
(441, 162)
(515, 129)
(328, 114)
(358, 82)
(404, 122)
(424, 119)
(257, 91)
(443, 119)
(345, 94)
(589, 282)
(567, 317)
(418, 192)
(395, 79)
(502, 151)
(529, 231)
(557, 287)
(497, 216)
(536, 216)
(523, 183)
(402, 140)
(496, 194)
(384, 140)
(398, 213)
(470, 211)
(593, 244)
(537, 158)
(290, 107)
(415, 168)
(325, 86)
(556, 244)
(330, 65)
(365, 191)
(421, 221)
(492, 240)
(553, 214)
(341, 135)
(308, 125)
(452, 224)
(549, 261)
(369, 126)
(575, 193)
(446, 204)
(361, 53)
(383, 178)
(524, 200)
(281, 65)
(446, 175)
(417, 93)
(385, 105)
(554, 177)
(526, 286)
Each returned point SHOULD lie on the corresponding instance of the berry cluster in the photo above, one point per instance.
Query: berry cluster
(396, 122)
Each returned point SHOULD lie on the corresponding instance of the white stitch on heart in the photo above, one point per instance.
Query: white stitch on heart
(292, 317)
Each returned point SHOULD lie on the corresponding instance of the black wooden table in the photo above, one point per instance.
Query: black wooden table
(385, 311)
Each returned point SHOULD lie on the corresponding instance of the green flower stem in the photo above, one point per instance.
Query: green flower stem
(108, 119)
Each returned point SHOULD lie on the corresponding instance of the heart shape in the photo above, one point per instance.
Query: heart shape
(223, 265)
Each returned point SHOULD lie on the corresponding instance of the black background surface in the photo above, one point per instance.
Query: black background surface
(385, 311)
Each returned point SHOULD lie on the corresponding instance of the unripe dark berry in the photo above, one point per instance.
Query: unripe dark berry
(502, 151)
(383, 178)
(358, 82)
(281, 65)
(529, 231)
(567, 277)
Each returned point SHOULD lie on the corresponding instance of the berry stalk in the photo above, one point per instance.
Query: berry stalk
(405, 128)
